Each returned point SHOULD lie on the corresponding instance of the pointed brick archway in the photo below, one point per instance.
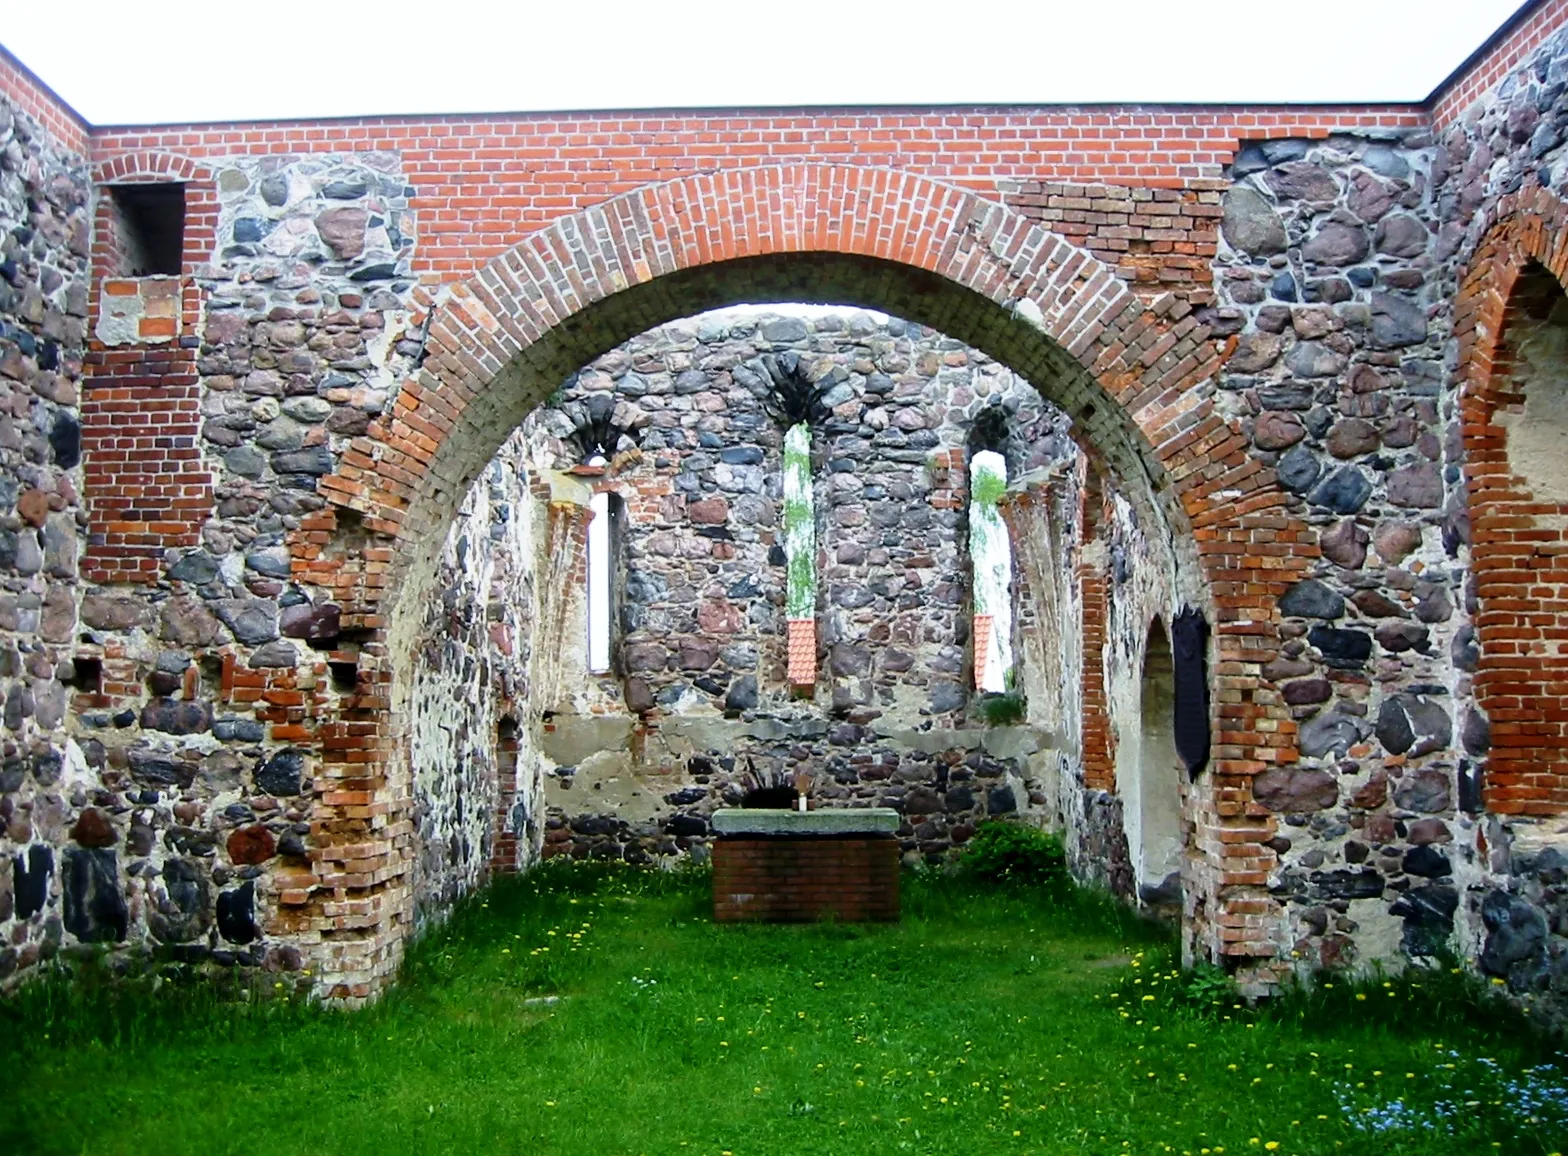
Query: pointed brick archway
(1135, 377)
(1518, 518)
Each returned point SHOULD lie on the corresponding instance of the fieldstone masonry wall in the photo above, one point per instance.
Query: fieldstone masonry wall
(1288, 346)
(1328, 270)
(701, 703)
(471, 691)
(1500, 178)
(53, 821)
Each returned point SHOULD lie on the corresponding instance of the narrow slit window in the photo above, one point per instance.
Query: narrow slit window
(991, 556)
(601, 539)
(800, 555)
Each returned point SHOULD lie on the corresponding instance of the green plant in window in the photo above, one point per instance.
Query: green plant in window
(1003, 710)
(989, 487)
(802, 587)
(800, 527)
(988, 545)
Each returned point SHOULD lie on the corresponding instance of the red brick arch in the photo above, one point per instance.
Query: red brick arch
(148, 165)
(1519, 540)
(1135, 378)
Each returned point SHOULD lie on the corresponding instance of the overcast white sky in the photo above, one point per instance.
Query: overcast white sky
(182, 60)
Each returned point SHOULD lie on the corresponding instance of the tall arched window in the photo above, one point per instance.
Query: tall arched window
(991, 556)
(603, 548)
(1149, 774)
(800, 556)
(1519, 506)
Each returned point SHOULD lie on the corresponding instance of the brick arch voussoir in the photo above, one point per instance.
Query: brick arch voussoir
(149, 165)
(1152, 363)
(1528, 226)
(1144, 357)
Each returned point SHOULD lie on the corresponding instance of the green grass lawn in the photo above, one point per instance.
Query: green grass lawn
(992, 1019)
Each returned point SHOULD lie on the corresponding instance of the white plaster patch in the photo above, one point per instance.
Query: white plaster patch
(1026, 309)
(1536, 436)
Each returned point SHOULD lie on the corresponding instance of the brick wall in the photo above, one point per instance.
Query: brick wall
(146, 485)
(1159, 239)
(803, 880)
(1519, 523)
(484, 181)
(1510, 47)
(144, 479)
(19, 85)
(1099, 759)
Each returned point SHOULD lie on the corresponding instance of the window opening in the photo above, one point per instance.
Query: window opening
(1534, 416)
(991, 557)
(800, 555)
(86, 675)
(599, 584)
(1153, 773)
(602, 542)
(149, 229)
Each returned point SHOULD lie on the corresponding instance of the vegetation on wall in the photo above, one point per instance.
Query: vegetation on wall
(1015, 852)
(1002, 710)
(800, 529)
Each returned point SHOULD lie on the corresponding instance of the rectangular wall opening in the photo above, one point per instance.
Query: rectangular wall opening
(148, 226)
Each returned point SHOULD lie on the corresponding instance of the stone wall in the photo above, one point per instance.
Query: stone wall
(470, 688)
(218, 748)
(59, 864)
(1329, 271)
(635, 760)
(1142, 600)
(169, 806)
(1339, 266)
(1509, 145)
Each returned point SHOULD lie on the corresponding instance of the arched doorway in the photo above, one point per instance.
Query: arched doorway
(1134, 379)
(1512, 315)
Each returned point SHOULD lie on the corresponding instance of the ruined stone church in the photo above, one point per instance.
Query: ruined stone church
(391, 502)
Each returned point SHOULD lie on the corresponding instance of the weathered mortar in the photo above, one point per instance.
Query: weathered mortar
(1508, 866)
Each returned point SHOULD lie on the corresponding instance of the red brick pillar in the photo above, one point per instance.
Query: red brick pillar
(1099, 764)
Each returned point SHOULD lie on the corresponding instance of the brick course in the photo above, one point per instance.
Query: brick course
(802, 880)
